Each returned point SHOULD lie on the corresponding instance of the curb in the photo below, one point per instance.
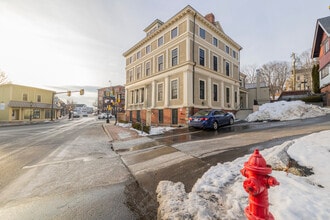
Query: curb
(107, 132)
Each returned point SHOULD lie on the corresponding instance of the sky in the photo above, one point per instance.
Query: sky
(219, 193)
(80, 43)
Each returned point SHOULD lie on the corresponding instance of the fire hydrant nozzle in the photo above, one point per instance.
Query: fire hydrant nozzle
(257, 183)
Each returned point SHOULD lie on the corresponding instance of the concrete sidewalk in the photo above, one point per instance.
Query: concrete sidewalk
(119, 133)
(150, 162)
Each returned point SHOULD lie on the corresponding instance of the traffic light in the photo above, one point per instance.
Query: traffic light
(82, 91)
(69, 93)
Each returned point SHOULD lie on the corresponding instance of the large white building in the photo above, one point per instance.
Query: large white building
(182, 65)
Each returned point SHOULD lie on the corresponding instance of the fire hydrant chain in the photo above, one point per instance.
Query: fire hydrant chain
(257, 183)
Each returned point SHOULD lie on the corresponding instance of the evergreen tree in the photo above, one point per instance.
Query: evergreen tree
(316, 79)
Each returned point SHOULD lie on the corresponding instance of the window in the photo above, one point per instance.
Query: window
(130, 60)
(25, 97)
(215, 92)
(215, 63)
(36, 113)
(160, 63)
(132, 97)
(325, 71)
(215, 41)
(227, 95)
(138, 72)
(161, 116)
(138, 115)
(148, 49)
(175, 57)
(148, 69)
(201, 57)
(136, 96)
(142, 95)
(174, 33)
(160, 92)
(39, 98)
(227, 49)
(130, 75)
(227, 69)
(160, 41)
(202, 33)
(47, 113)
(234, 54)
(138, 55)
(174, 89)
(235, 97)
(201, 89)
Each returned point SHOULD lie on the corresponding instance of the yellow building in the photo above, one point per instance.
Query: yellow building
(22, 103)
(182, 65)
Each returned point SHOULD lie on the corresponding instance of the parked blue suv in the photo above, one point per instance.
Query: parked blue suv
(211, 119)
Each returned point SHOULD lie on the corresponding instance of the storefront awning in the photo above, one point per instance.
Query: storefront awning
(23, 104)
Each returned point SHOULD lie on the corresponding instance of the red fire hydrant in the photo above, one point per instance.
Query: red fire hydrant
(257, 183)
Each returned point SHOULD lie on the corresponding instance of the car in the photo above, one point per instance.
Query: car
(211, 119)
(76, 115)
(104, 116)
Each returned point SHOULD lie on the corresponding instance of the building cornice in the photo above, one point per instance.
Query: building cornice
(187, 10)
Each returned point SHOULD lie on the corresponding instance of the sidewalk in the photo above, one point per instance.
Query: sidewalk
(150, 162)
(119, 133)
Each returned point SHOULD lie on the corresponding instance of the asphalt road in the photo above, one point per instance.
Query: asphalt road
(67, 169)
(62, 170)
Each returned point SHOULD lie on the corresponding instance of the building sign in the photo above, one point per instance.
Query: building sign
(2, 106)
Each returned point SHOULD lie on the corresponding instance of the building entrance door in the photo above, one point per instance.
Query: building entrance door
(15, 114)
(175, 116)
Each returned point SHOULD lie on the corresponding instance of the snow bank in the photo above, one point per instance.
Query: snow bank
(284, 110)
(153, 129)
(219, 194)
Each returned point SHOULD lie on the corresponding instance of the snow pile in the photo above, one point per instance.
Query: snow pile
(283, 110)
(153, 130)
(219, 194)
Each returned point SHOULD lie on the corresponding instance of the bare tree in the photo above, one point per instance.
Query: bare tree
(3, 78)
(251, 73)
(274, 74)
(304, 60)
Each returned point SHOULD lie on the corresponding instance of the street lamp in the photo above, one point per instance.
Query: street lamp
(108, 94)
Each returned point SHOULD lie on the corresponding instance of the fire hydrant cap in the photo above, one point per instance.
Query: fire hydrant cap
(258, 164)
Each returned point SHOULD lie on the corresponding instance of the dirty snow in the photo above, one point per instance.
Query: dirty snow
(154, 130)
(283, 110)
(219, 194)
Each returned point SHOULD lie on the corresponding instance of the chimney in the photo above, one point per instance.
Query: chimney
(210, 18)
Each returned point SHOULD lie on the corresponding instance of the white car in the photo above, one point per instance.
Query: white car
(104, 115)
